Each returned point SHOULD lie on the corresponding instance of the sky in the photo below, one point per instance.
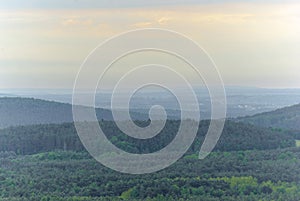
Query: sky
(253, 43)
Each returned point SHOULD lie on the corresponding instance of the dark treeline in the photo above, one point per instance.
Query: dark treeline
(49, 137)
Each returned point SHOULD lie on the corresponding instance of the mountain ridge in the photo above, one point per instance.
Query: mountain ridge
(18, 111)
(287, 118)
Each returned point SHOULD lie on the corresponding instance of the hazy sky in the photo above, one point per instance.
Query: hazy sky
(253, 43)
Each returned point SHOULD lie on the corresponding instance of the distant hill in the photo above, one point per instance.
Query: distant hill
(30, 111)
(284, 118)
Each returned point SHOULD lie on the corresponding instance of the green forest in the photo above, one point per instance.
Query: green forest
(69, 175)
(49, 163)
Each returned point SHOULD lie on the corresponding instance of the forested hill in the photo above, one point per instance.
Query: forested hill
(285, 118)
(42, 138)
(29, 111)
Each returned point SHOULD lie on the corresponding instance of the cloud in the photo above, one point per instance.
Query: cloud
(142, 24)
(78, 22)
(163, 20)
(154, 23)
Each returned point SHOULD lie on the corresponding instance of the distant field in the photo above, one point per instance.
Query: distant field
(297, 143)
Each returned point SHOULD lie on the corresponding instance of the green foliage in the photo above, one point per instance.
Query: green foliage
(298, 143)
(242, 175)
(242, 185)
(127, 194)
